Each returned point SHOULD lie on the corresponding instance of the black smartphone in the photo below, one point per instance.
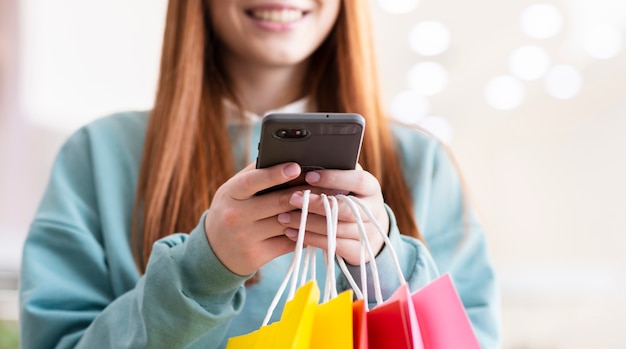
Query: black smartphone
(314, 140)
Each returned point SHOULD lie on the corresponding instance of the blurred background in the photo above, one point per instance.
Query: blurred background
(530, 96)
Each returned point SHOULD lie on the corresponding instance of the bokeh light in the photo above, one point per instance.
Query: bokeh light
(529, 62)
(603, 42)
(429, 38)
(505, 92)
(428, 78)
(409, 107)
(563, 82)
(439, 127)
(541, 21)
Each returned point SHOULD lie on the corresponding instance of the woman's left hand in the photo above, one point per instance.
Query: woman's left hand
(359, 183)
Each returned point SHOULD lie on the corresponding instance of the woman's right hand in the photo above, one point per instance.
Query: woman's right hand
(242, 228)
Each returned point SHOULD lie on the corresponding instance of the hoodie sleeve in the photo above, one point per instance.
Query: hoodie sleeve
(67, 297)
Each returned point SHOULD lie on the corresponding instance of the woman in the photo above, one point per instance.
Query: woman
(149, 233)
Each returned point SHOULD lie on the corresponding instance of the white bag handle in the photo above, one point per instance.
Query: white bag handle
(292, 271)
(352, 202)
(331, 208)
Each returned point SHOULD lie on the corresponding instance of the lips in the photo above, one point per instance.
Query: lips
(279, 15)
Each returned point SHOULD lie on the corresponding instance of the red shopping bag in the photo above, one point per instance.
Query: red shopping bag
(359, 325)
(433, 317)
(394, 323)
(443, 320)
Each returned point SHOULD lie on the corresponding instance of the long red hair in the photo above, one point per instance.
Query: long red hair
(187, 153)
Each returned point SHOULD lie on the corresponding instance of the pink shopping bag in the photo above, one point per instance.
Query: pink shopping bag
(443, 320)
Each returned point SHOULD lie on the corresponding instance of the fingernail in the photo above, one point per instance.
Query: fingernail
(284, 218)
(291, 233)
(312, 177)
(291, 170)
(296, 199)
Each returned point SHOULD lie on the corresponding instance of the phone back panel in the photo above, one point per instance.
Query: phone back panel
(329, 140)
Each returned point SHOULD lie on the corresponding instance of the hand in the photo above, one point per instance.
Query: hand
(361, 184)
(242, 228)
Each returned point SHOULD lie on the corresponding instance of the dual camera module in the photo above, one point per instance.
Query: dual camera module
(291, 133)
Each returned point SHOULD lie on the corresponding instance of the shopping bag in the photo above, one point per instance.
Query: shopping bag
(386, 327)
(294, 329)
(392, 323)
(296, 323)
(359, 306)
(305, 324)
(443, 319)
(359, 325)
(332, 326)
(245, 341)
(412, 326)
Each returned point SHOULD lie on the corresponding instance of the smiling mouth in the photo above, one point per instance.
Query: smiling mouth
(283, 15)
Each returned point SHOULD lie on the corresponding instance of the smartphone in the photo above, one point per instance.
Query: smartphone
(314, 140)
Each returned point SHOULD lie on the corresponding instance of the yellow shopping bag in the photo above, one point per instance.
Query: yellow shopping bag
(292, 331)
(296, 324)
(332, 327)
(305, 324)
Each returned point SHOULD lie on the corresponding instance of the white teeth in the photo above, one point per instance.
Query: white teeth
(278, 16)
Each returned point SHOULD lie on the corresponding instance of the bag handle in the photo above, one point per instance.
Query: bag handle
(331, 208)
(352, 202)
(332, 221)
(310, 256)
(292, 271)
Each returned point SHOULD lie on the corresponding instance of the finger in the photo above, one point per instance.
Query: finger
(261, 253)
(250, 166)
(359, 182)
(250, 181)
(274, 247)
(318, 224)
(349, 249)
(316, 206)
(266, 229)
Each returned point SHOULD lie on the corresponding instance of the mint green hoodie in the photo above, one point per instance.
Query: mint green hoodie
(80, 286)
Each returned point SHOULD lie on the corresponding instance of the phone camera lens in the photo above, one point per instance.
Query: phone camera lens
(291, 133)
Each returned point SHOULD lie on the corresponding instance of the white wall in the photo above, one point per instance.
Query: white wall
(546, 175)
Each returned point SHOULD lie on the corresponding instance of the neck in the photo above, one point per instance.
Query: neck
(263, 88)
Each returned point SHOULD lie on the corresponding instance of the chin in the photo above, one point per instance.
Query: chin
(283, 58)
